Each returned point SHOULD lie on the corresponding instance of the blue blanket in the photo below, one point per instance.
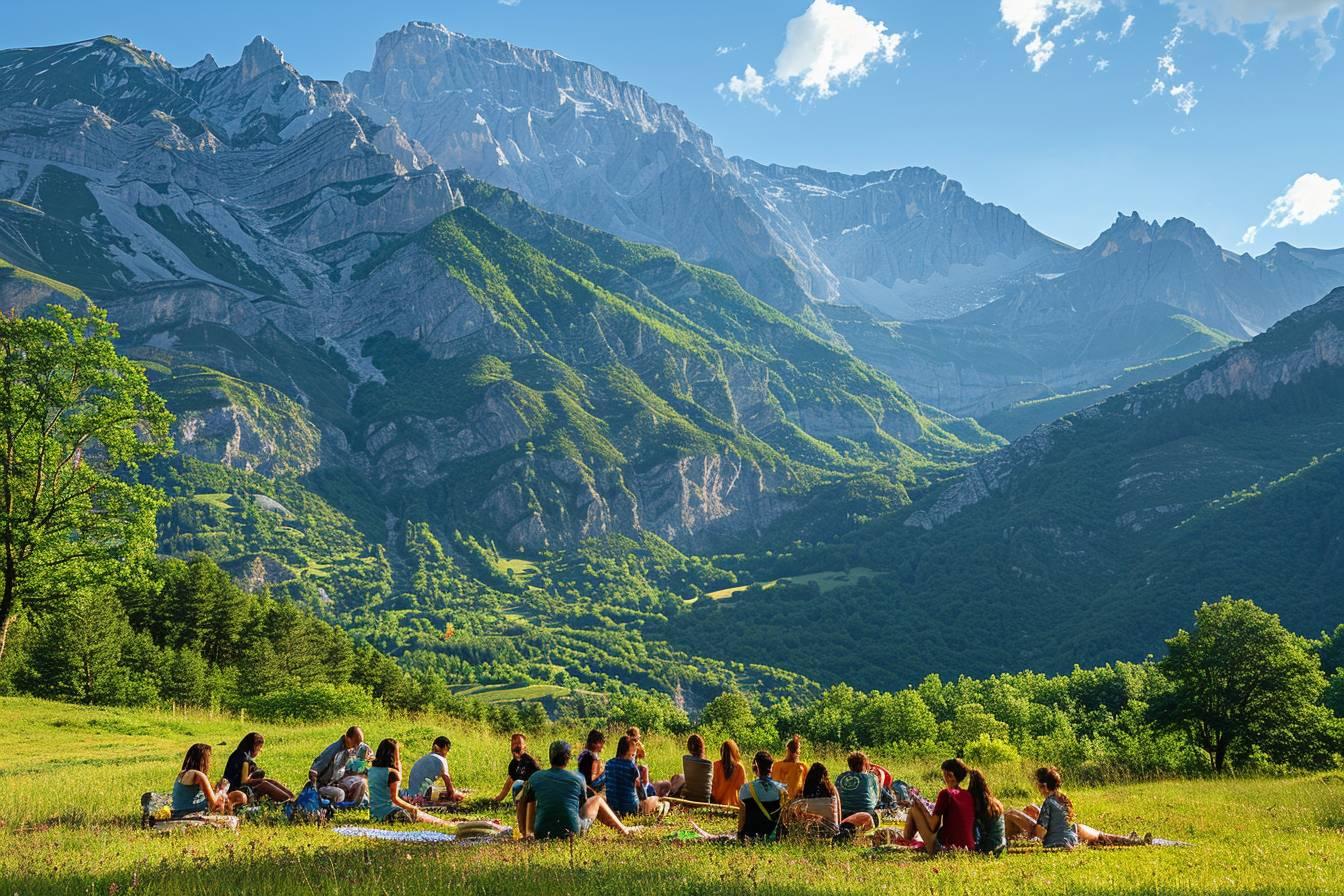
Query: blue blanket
(399, 836)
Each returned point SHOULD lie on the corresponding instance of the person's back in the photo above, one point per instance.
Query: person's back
(763, 799)
(990, 834)
(1059, 830)
(238, 770)
(726, 784)
(859, 792)
(790, 774)
(380, 793)
(188, 798)
(956, 808)
(426, 770)
(559, 795)
(622, 785)
(699, 774)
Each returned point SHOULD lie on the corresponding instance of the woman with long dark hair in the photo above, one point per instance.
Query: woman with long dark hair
(815, 812)
(1054, 822)
(247, 778)
(192, 792)
(989, 826)
(729, 775)
(385, 802)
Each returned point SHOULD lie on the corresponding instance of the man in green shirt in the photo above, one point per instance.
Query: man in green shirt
(552, 802)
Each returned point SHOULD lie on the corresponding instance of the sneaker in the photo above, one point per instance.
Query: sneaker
(1148, 838)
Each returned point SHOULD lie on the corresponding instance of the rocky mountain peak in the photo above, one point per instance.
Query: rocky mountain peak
(259, 56)
(201, 69)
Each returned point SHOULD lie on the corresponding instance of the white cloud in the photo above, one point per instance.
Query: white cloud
(1184, 97)
(1309, 198)
(1277, 17)
(832, 44)
(509, 2)
(749, 87)
(1036, 23)
(1101, 65)
(724, 51)
(1126, 27)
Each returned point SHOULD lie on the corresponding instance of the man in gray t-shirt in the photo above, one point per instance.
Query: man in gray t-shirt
(431, 767)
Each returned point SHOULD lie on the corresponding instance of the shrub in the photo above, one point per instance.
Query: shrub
(314, 703)
(985, 751)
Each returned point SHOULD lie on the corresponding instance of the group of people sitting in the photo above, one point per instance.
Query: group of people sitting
(348, 772)
(784, 797)
(779, 798)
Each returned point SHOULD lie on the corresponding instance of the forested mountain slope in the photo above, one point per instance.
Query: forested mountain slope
(1094, 534)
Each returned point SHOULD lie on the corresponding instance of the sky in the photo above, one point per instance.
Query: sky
(1227, 112)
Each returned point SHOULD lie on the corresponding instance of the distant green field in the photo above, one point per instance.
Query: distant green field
(510, 693)
(826, 581)
(72, 778)
(214, 499)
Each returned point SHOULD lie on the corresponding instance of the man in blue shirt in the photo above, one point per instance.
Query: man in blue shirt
(552, 802)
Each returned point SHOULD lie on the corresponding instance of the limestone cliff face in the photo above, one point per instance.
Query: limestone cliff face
(581, 142)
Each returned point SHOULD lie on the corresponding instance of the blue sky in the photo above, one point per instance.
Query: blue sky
(1038, 105)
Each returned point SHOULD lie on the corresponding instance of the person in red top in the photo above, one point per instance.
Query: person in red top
(951, 825)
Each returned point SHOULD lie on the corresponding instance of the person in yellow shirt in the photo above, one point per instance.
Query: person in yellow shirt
(790, 771)
(729, 775)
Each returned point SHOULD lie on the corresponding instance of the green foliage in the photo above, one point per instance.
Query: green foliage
(75, 417)
(1239, 680)
(313, 703)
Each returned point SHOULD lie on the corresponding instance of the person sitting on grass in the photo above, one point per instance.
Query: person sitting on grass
(431, 767)
(590, 761)
(246, 777)
(951, 824)
(989, 826)
(623, 792)
(790, 771)
(697, 772)
(521, 767)
(729, 775)
(192, 793)
(552, 803)
(816, 809)
(763, 800)
(648, 786)
(385, 801)
(1053, 823)
(337, 771)
(859, 793)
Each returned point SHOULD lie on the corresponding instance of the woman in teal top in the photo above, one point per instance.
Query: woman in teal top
(192, 793)
(385, 802)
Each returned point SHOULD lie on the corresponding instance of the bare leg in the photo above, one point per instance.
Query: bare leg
(597, 808)
(423, 817)
(1094, 837)
(919, 821)
(272, 790)
(861, 821)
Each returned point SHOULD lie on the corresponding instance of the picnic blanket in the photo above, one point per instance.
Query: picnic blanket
(398, 836)
(156, 815)
(713, 808)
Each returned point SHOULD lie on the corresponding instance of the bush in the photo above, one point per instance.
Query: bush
(314, 703)
(985, 751)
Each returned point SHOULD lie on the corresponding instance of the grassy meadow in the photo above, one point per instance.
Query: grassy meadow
(72, 778)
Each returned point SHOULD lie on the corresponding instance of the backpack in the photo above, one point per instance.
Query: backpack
(308, 807)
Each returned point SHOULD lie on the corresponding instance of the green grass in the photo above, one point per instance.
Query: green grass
(826, 581)
(510, 693)
(73, 775)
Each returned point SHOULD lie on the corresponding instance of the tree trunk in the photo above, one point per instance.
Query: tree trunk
(1219, 756)
(7, 609)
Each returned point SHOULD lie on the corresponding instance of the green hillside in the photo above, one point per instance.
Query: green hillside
(1087, 539)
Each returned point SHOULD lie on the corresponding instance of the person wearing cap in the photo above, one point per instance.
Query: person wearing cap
(552, 802)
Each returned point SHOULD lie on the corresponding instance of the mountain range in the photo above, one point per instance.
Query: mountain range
(487, 339)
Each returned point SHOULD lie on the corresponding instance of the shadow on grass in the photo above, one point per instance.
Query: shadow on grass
(598, 866)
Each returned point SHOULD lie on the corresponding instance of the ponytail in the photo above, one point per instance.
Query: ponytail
(1052, 781)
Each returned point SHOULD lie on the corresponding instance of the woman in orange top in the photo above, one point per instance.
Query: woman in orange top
(790, 771)
(729, 775)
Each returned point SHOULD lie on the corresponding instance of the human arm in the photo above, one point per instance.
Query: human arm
(504, 791)
(394, 791)
(524, 798)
